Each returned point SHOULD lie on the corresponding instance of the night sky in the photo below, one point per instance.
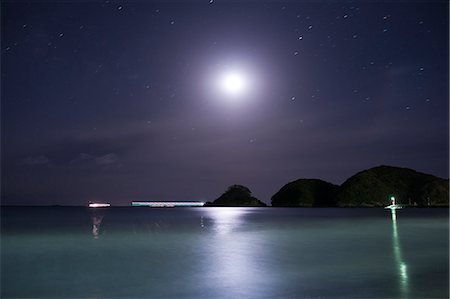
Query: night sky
(119, 101)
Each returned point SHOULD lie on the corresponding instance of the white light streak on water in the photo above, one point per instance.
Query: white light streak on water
(225, 219)
(96, 222)
(231, 265)
(401, 265)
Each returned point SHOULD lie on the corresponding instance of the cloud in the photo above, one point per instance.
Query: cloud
(88, 161)
(107, 159)
(37, 160)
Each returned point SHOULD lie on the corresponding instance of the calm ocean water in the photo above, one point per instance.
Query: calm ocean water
(63, 252)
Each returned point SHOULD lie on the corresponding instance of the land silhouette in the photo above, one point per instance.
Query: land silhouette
(236, 196)
(369, 188)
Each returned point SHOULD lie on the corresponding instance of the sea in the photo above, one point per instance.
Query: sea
(221, 252)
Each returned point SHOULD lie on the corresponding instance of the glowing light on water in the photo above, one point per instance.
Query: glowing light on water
(99, 205)
(394, 218)
(393, 205)
(403, 273)
(401, 265)
(225, 219)
(229, 262)
(96, 221)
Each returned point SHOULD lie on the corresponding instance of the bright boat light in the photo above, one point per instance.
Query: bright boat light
(99, 205)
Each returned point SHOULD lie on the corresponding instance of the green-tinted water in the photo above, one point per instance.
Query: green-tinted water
(224, 253)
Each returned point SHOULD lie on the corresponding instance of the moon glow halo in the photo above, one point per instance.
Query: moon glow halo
(233, 83)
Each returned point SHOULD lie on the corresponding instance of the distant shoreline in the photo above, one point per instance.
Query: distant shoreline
(168, 208)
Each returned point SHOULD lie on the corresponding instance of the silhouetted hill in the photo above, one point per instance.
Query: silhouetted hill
(237, 196)
(369, 188)
(374, 186)
(306, 193)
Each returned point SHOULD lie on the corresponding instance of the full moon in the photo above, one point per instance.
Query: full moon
(233, 83)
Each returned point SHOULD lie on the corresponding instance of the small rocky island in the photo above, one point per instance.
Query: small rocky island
(236, 196)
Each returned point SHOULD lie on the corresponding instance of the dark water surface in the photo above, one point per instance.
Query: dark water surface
(62, 252)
